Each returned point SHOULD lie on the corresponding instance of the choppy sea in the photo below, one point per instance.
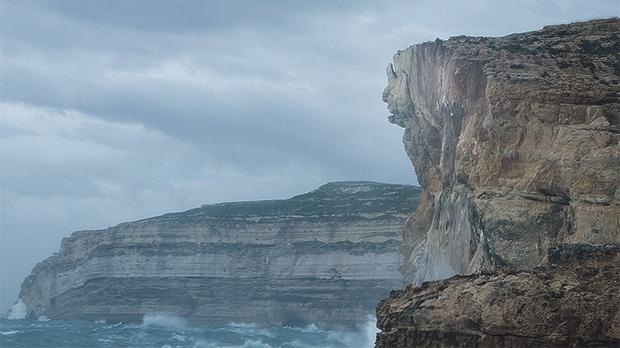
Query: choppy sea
(162, 331)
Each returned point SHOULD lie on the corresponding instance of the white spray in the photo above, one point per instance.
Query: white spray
(18, 311)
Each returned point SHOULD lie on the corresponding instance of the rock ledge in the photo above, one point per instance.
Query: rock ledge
(570, 302)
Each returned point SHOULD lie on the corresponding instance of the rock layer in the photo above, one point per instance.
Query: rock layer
(571, 302)
(326, 256)
(515, 143)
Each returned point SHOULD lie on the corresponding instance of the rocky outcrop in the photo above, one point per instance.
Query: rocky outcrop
(326, 256)
(571, 302)
(515, 143)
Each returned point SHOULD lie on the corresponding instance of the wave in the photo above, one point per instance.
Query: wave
(6, 333)
(243, 325)
(364, 337)
(165, 330)
(311, 328)
(246, 344)
(18, 311)
(164, 320)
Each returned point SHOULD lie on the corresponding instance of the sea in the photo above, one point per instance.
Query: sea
(165, 331)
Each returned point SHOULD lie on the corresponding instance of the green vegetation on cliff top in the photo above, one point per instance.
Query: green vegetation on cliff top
(334, 199)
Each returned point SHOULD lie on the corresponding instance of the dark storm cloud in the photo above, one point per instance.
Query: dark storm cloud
(227, 92)
(116, 110)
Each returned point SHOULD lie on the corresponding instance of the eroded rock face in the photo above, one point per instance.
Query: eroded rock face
(326, 256)
(515, 143)
(572, 301)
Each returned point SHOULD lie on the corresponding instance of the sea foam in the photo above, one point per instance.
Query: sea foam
(18, 311)
(363, 338)
(164, 320)
(164, 330)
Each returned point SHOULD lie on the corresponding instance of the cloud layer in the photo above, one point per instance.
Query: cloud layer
(119, 110)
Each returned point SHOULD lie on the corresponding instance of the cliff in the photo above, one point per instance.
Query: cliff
(326, 256)
(515, 143)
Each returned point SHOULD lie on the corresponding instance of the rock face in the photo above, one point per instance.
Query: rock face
(571, 302)
(326, 256)
(515, 144)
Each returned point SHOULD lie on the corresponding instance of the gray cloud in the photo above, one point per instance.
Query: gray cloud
(119, 110)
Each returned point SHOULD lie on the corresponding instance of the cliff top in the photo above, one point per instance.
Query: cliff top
(567, 63)
(598, 37)
(351, 199)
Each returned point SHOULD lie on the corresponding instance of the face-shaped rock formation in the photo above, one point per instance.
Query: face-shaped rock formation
(515, 143)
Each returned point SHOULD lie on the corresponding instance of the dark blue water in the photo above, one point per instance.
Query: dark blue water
(172, 332)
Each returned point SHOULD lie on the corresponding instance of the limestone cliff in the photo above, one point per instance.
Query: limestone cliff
(326, 256)
(515, 144)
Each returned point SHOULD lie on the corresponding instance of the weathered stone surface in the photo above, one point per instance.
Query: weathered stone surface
(571, 302)
(326, 256)
(515, 143)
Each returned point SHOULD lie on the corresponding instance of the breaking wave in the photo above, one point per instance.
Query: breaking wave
(164, 320)
(169, 331)
(18, 311)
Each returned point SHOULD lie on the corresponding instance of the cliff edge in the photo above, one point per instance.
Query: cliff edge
(515, 143)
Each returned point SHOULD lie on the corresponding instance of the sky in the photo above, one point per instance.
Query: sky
(112, 111)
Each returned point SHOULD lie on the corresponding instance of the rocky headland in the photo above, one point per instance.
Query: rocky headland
(327, 256)
(571, 301)
(515, 143)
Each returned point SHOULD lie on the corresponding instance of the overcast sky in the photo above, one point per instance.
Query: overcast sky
(118, 110)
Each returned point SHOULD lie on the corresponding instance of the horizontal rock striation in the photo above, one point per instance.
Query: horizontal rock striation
(325, 256)
(515, 143)
(570, 302)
